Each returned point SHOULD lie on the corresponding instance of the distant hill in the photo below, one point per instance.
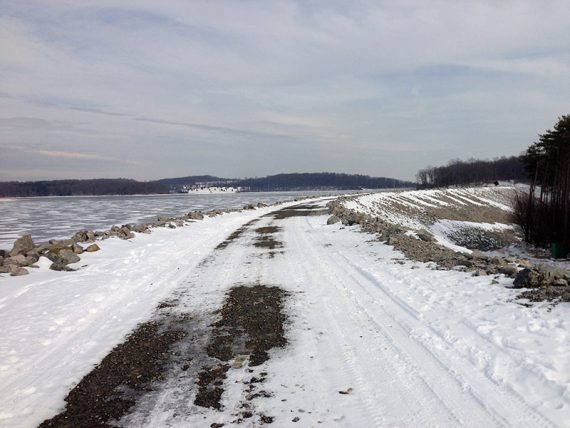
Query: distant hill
(121, 186)
(319, 181)
(100, 186)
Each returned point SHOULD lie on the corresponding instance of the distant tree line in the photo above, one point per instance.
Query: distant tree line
(280, 182)
(544, 213)
(315, 181)
(458, 172)
(80, 187)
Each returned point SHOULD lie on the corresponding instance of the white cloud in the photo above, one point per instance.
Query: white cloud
(407, 82)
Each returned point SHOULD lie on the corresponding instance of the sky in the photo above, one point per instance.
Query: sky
(152, 89)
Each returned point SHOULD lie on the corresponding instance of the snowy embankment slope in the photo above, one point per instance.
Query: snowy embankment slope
(444, 212)
(373, 340)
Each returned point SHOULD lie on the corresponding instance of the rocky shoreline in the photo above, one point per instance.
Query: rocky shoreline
(25, 253)
(543, 282)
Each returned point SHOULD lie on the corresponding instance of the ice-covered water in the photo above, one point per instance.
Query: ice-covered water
(61, 216)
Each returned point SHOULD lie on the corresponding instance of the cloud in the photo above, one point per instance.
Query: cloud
(82, 156)
(251, 87)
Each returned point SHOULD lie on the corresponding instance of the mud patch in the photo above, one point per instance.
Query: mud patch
(267, 230)
(235, 235)
(297, 211)
(267, 241)
(251, 323)
(125, 374)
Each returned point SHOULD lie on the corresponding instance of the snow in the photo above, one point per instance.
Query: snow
(411, 209)
(410, 346)
(56, 326)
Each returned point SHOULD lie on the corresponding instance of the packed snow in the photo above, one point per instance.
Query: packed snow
(373, 340)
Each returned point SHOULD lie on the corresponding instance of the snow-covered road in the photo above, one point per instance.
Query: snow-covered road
(373, 340)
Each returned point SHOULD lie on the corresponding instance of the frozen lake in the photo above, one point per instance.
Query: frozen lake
(61, 216)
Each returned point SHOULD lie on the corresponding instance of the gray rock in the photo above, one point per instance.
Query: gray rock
(18, 271)
(19, 260)
(464, 262)
(508, 270)
(497, 261)
(560, 282)
(53, 250)
(140, 228)
(61, 242)
(527, 278)
(22, 245)
(333, 219)
(92, 248)
(81, 236)
(392, 240)
(125, 233)
(349, 218)
(214, 212)
(550, 273)
(60, 266)
(424, 235)
(197, 215)
(77, 249)
(67, 256)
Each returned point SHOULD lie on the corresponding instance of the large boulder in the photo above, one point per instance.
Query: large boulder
(18, 271)
(77, 249)
(140, 228)
(333, 219)
(349, 218)
(92, 248)
(84, 236)
(63, 258)
(67, 256)
(424, 235)
(196, 215)
(20, 260)
(125, 233)
(22, 245)
(508, 270)
(215, 212)
(527, 278)
(551, 273)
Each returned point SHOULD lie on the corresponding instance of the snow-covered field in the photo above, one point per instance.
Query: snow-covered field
(373, 341)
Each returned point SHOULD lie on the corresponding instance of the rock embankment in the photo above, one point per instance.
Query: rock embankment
(25, 253)
(545, 282)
